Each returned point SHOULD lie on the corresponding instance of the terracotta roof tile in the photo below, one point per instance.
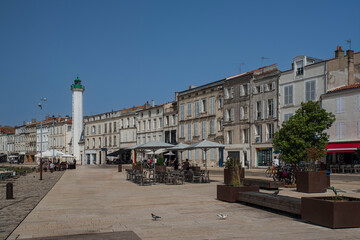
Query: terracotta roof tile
(345, 87)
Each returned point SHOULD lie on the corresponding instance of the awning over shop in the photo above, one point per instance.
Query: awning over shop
(343, 147)
(117, 153)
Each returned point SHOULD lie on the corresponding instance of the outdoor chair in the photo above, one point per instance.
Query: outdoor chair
(170, 178)
(342, 168)
(356, 168)
(348, 168)
(334, 168)
(196, 176)
(206, 177)
(146, 180)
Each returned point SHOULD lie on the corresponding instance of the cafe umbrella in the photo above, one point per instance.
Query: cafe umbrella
(180, 147)
(205, 145)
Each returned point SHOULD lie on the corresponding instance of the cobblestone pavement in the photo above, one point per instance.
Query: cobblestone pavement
(94, 199)
(27, 191)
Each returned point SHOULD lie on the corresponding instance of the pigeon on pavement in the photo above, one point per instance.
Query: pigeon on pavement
(222, 216)
(276, 192)
(154, 217)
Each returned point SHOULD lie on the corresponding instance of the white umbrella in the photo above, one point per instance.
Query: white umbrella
(205, 145)
(181, 147)
(50, 153)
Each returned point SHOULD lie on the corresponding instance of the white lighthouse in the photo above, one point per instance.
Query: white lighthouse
(77, 117)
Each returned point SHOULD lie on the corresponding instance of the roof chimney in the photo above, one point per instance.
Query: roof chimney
(339, 52)
(351, 77)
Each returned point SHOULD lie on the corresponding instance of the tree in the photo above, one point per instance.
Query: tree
(303, 131)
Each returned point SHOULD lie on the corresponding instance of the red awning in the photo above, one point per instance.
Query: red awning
(343, 147)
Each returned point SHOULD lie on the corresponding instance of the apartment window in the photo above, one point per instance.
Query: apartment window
(197, 109)
(155, 122)
(109, 140)
(340, 130)
(245, 136)
(189, 109)
(272, 86)
(154, 137)
(161, 122)
(197, 154)
(182, 112)
(173, 120)
(99, 129)
(105, 127)
(93, 143)
(227, 115)
(196, 129)
(226, 93)
(310, 91)
(203, 106)
(299, 68)
(242, 90)
(114, 141)
(258, 110)
(87, 143)
(87, 130)
(287, 116)
(229, 137)
(167, 121)
(221, 125)
(247, 88)
(231, 92)
(245, 112)
(261, 88)
(115, 126)
(270, 107)
(258, 137)
(212, 126)
(68, 128)
(109, 127)
(221, 102)
(212, 154)
(189, 155)
(270, 130)
(160, 137)
(203, 129)
(144, 125)
(189, 132)
(99, 142)
(241, 113)
(288, 97)
(149, 124)
(212, 105)
(182, 130)
(340, 105)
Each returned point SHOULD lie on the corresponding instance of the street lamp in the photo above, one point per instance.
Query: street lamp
(40, 106)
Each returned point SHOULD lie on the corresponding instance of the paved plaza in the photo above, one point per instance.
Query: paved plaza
(99, 200)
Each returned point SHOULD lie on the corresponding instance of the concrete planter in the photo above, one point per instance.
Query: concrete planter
(230, 193)
(312, 182)
(326, 212)
(228, 175)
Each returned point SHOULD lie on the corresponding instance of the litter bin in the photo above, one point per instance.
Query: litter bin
(120, 168)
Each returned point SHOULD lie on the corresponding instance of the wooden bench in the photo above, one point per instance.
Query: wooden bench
(262, 183)
(269, 200)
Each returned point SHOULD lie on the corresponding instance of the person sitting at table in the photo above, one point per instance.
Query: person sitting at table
(176, 164)
(186, 165)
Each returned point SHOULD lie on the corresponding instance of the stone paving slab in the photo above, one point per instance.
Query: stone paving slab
(27, 192)
(91, 199)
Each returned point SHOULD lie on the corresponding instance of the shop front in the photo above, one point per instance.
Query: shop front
(343, 153)
(264, 157)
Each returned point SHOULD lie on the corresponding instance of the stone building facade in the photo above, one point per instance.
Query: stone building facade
(200, 113)
(101, 136)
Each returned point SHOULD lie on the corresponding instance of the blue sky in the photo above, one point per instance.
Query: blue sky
(130, 52)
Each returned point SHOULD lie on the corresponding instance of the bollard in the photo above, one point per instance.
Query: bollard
(120, 168)
(9, 191)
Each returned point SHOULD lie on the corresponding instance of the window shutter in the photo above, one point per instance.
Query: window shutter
(261, 88)
(274, 107)
(241, 113)
(247, 88)
(232, 114)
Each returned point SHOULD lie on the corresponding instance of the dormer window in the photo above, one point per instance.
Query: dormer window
(299, 68)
